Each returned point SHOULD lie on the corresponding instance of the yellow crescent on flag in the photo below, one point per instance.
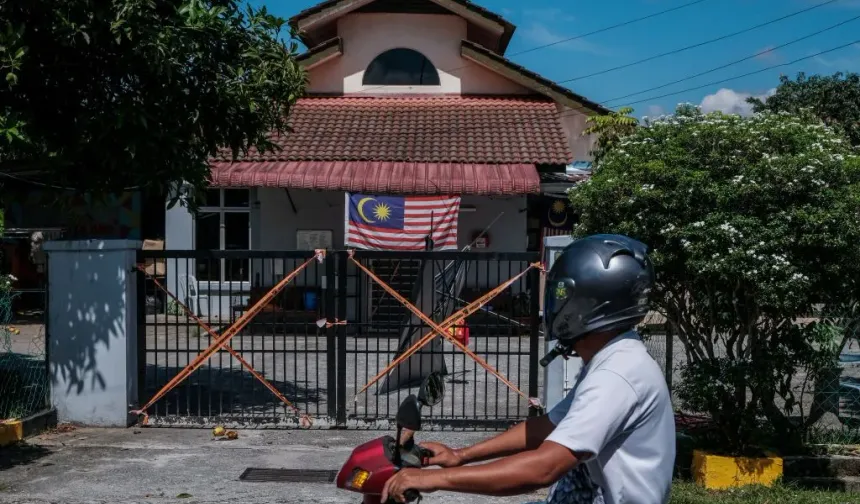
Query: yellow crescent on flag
(557, 207)
(360, 207)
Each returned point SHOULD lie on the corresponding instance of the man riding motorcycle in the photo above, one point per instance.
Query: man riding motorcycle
(612, 439)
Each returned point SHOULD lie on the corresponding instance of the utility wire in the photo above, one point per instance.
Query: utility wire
(747, 58)
(843, 46)
(700, 44)
(575, 37)
(619, 25)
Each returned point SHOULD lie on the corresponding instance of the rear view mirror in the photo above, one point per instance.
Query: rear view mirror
(409, 414)
(432, 389)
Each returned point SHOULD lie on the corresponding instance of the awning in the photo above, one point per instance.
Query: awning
(381, 177)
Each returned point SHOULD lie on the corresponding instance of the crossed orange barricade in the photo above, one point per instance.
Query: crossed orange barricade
(442, 329)
(221, 342)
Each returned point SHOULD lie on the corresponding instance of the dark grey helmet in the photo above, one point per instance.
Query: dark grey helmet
(598, 283)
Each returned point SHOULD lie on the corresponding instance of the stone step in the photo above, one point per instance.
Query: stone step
(818, 467)
(836, 484)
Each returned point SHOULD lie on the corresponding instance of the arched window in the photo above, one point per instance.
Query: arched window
(401, 67)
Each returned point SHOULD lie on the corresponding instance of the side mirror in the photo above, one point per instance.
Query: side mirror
(432, 389)
(409, 414)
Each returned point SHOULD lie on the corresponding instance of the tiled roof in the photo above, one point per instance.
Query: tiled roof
(381, 177)
(430, 129)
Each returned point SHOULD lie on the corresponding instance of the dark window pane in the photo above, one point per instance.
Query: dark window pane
(236, 225)
(401, 67)
(237, 198)
(208, 270)
(212, 198)
(236, 270)
(208, 231)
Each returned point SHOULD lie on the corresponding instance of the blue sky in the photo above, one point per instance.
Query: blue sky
(541, 22)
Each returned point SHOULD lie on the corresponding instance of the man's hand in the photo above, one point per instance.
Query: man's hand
(443, 456)
(406, 479)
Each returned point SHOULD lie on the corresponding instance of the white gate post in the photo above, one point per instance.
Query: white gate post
(560, 374)
(92, 330)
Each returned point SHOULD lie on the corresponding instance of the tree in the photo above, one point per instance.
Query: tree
(752, 222)
(104, 95)
(834, 99)
(609, 129)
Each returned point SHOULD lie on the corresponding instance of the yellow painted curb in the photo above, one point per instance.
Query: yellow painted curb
(11, 431)
(719, 473)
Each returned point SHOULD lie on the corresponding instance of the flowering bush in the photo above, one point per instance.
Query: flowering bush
(6, 282)
(752, 222)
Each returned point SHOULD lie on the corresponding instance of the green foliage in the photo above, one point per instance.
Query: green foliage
(835, 99)
(751, 222)
(610, 128)
(103, 95)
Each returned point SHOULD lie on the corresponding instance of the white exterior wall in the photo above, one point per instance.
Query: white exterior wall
(92, 324)
(436, 36)
(274, 225)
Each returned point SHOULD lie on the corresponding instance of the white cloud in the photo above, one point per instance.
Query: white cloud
(768, 55)
(846, 63)
(655, 111)
(730, 101)
(539, 34)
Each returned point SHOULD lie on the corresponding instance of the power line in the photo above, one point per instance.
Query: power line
(700, 44)
(721, 67)
(575, 37)
(619, 25)
(744, 75)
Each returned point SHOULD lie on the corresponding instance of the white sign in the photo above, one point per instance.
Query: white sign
(313, 239)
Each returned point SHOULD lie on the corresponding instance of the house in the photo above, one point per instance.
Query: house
(404, 97)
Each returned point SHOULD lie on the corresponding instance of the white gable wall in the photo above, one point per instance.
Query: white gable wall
(436, 36)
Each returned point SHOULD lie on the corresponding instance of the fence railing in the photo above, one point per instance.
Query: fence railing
(330, 331)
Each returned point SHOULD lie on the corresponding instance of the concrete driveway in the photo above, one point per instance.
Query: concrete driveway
(186, 465)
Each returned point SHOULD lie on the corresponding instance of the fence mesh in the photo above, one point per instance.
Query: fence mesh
(828, 398)
(23, 375)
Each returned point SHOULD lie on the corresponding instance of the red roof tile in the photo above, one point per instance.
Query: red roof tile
(381, 177)
(429, 129)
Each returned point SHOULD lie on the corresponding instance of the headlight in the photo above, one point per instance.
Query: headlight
(358, 479)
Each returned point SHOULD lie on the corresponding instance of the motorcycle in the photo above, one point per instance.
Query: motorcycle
(371, 465)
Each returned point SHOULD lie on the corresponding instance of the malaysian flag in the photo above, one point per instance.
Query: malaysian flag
(401, 222)
(557, 219)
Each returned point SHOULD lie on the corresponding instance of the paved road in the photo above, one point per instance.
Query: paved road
(157, 465)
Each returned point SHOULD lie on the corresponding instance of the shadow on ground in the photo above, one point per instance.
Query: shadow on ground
(212, 391)
(21, 454)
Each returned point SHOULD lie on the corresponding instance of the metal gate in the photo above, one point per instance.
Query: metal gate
(324, 336)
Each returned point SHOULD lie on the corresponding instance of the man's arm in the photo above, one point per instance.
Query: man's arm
(513, 475)
(524, 436)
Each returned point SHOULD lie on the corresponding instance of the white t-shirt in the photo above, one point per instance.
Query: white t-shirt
(621, 412)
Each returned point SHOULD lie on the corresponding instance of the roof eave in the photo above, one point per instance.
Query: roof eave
(324, 12)
(321, 53)
(526, 78)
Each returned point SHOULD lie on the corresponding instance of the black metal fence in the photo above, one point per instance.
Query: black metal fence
(331, 330)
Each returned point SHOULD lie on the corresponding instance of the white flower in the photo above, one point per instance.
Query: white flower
(685, 243)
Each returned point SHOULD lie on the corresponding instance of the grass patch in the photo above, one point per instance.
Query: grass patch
(689, 493)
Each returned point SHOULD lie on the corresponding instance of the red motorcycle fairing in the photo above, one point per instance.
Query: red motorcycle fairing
(374, 457)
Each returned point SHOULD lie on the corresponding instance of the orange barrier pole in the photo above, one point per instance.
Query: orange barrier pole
(418, 313)
(451, 321)
(203, 325)
(234, 329)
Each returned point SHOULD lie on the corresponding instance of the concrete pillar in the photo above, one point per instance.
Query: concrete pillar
(92, 330)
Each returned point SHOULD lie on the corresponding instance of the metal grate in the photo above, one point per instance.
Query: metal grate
(255, 474)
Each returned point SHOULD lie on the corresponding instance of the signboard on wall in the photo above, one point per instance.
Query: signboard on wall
(309, 239)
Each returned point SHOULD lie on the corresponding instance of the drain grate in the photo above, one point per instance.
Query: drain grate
(255, 474)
